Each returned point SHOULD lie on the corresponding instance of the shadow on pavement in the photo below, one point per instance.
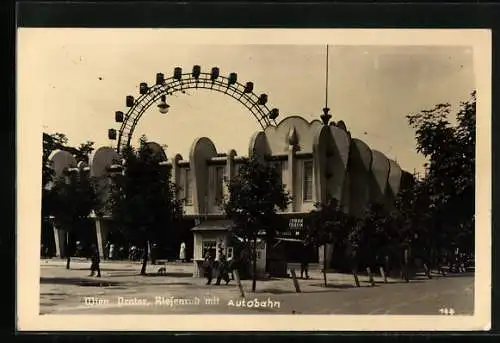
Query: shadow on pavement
(467, 274)
(78, 282)
(334, 286)
(47, 305)
(173, 284)
(51, 294)
(330, 288)
(178, 274)
(137, 273)
(397, 282)
(105, 269)
(275, 291)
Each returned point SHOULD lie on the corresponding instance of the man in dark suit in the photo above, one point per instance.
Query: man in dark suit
(223, 270)
(208, 267)
(94, 267)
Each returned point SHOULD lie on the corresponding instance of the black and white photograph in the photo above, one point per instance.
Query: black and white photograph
(274, 178)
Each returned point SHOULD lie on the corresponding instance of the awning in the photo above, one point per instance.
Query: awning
(291, 240)
(214, 225)
(294, 240)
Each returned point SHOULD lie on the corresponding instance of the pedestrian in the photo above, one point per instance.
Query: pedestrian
(154, 249)
(132, 253)
(223, 272)
(182, 252)
(106, 249)
(111, 251)
(208, 267)
(304, 263)
(94, 267)
(79, 249)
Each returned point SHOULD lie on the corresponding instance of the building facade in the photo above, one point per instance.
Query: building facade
(316, 161)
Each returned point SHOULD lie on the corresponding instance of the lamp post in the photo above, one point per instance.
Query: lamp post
(163, 106)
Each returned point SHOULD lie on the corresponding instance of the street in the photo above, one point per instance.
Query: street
(121, 290)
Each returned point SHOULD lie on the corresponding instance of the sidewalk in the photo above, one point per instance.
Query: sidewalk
(84, 259)
(66, 291)
(127, 273)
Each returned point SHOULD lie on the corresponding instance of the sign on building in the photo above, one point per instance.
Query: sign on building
(295, 228)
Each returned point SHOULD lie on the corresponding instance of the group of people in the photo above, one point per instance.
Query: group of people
(110, 253)
(222, 268)
(113, 252)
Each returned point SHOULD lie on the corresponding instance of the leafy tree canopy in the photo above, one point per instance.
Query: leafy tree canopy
(440, 206)
(327, 223)
(256, 194)
(143, 198)
(59, 141)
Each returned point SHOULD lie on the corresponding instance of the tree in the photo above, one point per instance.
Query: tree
(142, 199)
(373, 237)
(354, 242)
(449, 179)
(255, 196)
(59, 141)
(54, 190)
(83, 151)
(326, 224)
(73, 197)
(51, 142)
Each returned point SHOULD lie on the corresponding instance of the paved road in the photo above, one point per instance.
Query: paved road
(122, 291)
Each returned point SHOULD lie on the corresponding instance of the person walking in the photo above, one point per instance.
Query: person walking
(94, 267)
(132, 253)
(208, 267)
(111, 251)
(107, 247)
(182, 252)
(223, 270)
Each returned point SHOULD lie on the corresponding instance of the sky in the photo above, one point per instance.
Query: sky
(75, 80)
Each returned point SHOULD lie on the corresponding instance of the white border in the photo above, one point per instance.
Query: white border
(29, 146)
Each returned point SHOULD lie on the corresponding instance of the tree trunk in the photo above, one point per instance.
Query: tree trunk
(382, 274)
(406, 253)
(68, 250)
(268, 253)
(427, 271)
(324, 265)
(370, 276)
(430, 260)
(254, 267)
(355, 274)
(427, 264)
(442, 263)
(145, 257)
(387, 266)
(354, 268)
